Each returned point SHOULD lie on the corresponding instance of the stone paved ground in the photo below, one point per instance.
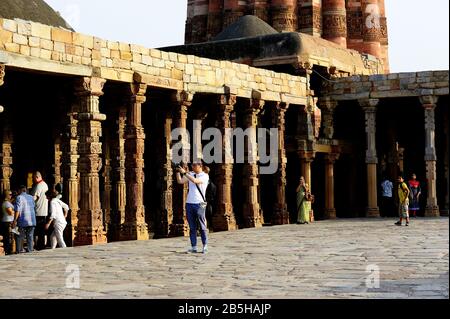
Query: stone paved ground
(324, 260)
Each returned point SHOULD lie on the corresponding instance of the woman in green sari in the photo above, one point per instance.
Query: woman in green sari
(303, 202)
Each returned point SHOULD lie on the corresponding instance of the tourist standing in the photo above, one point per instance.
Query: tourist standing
(58, 215)
(196, 202)
(387, 199)
(38, 192)
(403, 201)
(25, 218)
(7, 219)
(304, 198)
(416, 191)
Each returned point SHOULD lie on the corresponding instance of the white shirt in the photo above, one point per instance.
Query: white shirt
(5, 217)
(39, 190)
(56, 211)
(194, 196)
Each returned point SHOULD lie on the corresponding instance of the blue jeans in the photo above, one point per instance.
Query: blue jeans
(27, 232)
(196, 213)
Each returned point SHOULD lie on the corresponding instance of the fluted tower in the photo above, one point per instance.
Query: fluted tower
(354, 24)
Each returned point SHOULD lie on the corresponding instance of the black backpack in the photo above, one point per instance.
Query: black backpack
(211, 191)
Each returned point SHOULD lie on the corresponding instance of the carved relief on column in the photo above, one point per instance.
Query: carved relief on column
(224, 218)
(253, 216)
(57, 162)
(135, 227)
(181, 102)
(371, 28)
(6, 159)
(107, 186)
(2, 76)
(330, 210)
(328, 107)
(370, 110)
(89, 230)
(306, 160)
(429, 104)
(280, 211)
(284, 15)
(310, 17)
(335, 21)
(164, 214)
(70, 158)
(118, 175)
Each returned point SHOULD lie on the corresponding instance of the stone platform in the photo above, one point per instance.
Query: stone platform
(324, 260)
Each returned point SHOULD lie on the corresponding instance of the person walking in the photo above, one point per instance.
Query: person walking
(387, 199)
(7, 219)
(38, 192)
(416, 191)
(303, 202)
(403, 201)
(25, 218)
(196, 202)
(58, 215)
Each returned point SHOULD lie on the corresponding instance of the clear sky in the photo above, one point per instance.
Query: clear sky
(418, 30)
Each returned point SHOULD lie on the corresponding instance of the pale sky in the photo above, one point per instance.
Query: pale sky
(418, 30)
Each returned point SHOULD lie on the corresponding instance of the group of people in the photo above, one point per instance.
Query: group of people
(408, 199)
(33, 220)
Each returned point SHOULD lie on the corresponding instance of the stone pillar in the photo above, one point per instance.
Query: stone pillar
(181, 102)
(281, 214)
(89, 230)
(310, 17)
(445, 209)
(107, 185)
(233, 10)
(384, 38)
(429, 104)
(371, 28)
(224, 219)
(135, 227)
(354, 25)
(335, 21)
(215, 19)
(71, 177)
(370, 110)
(57, 176)
(259, 8)
(164, 214)
(306, 159)
(284, 15)
(6, 159)
(253, 217)
(119, 188)
(328, 106)
(330, 210)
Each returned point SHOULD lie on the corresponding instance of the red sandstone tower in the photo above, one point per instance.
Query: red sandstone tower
(354, 24)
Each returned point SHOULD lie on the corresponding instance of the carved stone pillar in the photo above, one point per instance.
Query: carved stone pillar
(107, 185)
(119, 188)
(135, 227)
(89, 230)
(384, 37)
(164, 215)
(280, 211)
(310, 18)
(330, 210)
(57, 160)
(284, 15)
(370, 110)
(224, 219)
(6, 159)
(328, 106)
(306, 160)
(253, 217)
(181, 102)
(429, 104)
(71, 178)
(335, 21)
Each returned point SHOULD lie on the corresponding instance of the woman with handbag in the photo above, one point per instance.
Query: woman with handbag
(304, 199)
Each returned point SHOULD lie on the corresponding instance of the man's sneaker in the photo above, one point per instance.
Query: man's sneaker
(193, 250)
(205, 249)
(407, 224)
(398, 223)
